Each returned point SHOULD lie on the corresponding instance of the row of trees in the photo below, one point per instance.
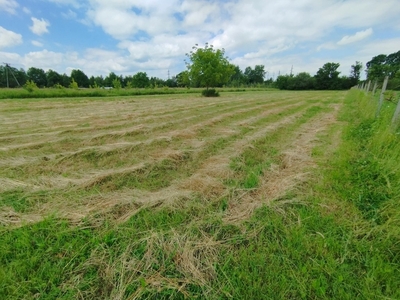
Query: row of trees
(327, 78)
(384, 65)
(209, 67)
(13, 77)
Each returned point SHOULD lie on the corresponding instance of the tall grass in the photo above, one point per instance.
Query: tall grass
(98, 92)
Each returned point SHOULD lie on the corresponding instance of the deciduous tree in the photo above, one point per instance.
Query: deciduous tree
(327, 77)
(80, 78)
(53, 78)
(208, 67)
(355, 73)
(140, 80)
(38, 76)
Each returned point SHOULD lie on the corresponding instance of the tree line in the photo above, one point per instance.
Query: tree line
(214, 70)
(77, 78)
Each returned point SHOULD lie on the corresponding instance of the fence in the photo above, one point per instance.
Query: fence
(365, 86)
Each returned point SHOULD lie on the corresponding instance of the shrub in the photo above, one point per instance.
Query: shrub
(73, 84)
(210, 93)
(30, 86)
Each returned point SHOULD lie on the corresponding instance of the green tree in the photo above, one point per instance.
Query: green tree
(355, 73)
(327, 77)
(80, 78)
(302, 81)
(109, 79)
(116, 83)
(53, 78)
(383, 65)
(208, 67)
(14, 76)
(237, 78)
(140, 80)
(65, 80)
(38, 76)
(256, 75)
(182, 79)
(283, 82)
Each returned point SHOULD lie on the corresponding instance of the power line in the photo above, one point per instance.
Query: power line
(8, 68)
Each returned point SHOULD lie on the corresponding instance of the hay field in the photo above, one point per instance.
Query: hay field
(142, 197)
(77, 157)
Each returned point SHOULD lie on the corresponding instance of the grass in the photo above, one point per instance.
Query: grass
(276, 199)
(20, 93)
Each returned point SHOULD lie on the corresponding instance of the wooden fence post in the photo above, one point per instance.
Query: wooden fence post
(382, 96)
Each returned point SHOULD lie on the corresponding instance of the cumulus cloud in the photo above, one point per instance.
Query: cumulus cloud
(360, 35)
(9, 6)
(39, 27)
(9, 38)
(153, 35)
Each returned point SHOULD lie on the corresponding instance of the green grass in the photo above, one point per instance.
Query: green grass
(336, 236)
(20, 93)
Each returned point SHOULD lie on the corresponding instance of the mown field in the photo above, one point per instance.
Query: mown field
(252, 195)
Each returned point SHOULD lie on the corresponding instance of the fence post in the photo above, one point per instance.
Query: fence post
(382, 96)
(368, 86)
(374, 89)
(396, 116)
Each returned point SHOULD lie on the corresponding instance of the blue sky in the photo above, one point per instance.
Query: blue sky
(128, 36)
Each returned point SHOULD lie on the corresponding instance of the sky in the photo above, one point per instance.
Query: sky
(153, 36)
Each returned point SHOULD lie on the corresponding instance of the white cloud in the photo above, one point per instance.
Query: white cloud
(360, 35)
(153, 35)
(73, 3)
(37, 44)
(26, 10)
(39, 27)
(9, 6)
(43, 59)
(69, 14)
(9, 38)
(124, 19)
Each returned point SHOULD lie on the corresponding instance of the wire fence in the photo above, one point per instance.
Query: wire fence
(384, 94)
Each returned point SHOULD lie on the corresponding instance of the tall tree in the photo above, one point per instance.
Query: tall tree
(108, 80)
(238, 78)
(327, 77)
(355, 73)
(38, 76)
(140, 80)
(80, 78)
(383, 65)
(208, 67)
(66, 80)
(182, 79)
(53, 78)
(255, 75)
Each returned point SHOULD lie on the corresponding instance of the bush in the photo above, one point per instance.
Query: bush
(210, 93)
(30, 86)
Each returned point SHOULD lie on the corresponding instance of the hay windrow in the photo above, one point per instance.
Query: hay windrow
(87, 146)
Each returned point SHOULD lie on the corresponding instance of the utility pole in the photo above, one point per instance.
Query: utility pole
(12, 73)
(7, 76)
(291, 71)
